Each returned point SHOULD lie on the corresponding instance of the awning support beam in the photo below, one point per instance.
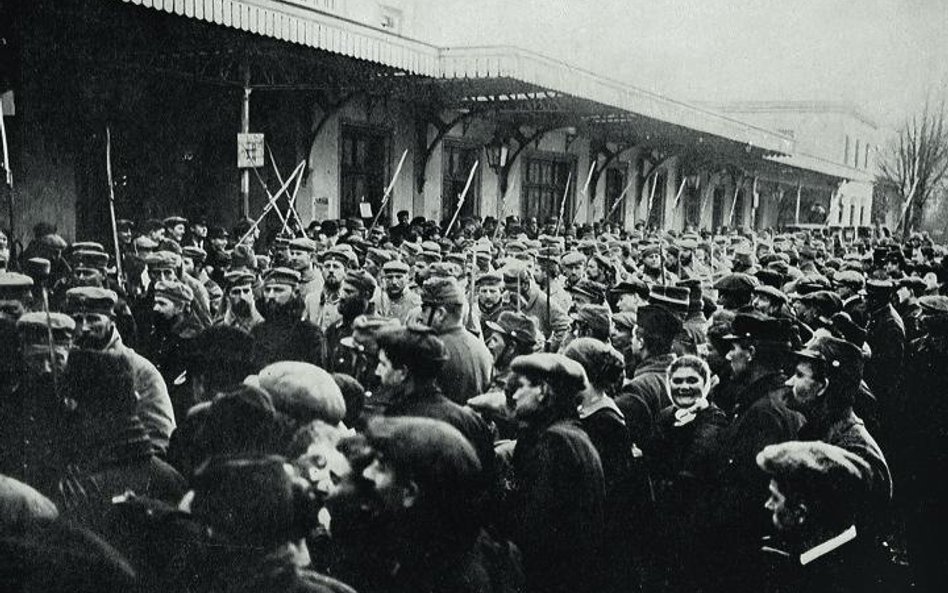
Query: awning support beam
(426, 149)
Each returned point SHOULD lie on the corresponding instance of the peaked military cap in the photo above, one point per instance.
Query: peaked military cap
(173, 221)
(303, 244)
(238, 278)
(395, 267)
(281, 275)
(32, 327)
(362, 280)
(339, 253)
(91, 299)
(145, 243)
(490, 279)
(14, 283)
(174, 291)
(441, 291)
(572, 258)
(519, 326)
(87, 258)
(86, 246)
(163, 260)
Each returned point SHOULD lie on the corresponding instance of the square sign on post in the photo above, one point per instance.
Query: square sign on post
(249, 151)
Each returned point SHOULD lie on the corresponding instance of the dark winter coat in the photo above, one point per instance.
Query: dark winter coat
(287, 337)
(559, 508)
(643, 397)
(760, 418)
(883, 373)
(467, 371)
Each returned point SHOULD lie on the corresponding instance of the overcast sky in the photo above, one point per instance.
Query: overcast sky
(882, 55)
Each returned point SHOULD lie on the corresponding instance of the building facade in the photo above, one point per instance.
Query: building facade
(830, 135)
(345, 90)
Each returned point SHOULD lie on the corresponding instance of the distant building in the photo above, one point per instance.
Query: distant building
(830, 136)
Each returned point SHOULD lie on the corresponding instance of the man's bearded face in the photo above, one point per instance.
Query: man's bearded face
(488, 296)
(241, 300)
(333, 273)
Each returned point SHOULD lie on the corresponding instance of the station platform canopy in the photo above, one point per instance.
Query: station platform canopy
(507, 84)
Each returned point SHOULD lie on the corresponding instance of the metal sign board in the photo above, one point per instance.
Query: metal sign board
(250, 151)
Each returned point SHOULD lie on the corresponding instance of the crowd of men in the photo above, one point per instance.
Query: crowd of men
(513, 407)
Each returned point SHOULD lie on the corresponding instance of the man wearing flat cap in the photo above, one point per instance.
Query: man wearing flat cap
(760, 346)
(410, 363)
(558, 499)
(735, 291)
(285, 334)
(814, 502)
(397, 299)
(93, 310)
(32, 405)
(574, 268)
(467, 371)
(355, 299)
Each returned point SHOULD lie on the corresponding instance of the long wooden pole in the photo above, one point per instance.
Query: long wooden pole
(388, 190)
(115, 241)
(559, 219)
(461, 198)
(272, 203)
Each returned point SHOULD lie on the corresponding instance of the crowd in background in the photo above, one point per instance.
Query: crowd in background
(516, 406)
